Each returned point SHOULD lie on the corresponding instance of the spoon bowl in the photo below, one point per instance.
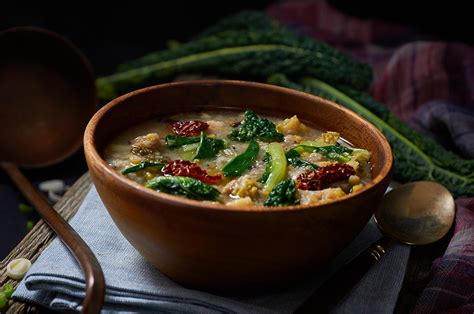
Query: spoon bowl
(416, 213)
(47, 97)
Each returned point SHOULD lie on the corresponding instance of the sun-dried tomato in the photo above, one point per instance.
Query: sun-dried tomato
(321, 178)
(188, 128)
(185, 168)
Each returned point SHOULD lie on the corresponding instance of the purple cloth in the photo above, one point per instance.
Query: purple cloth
(451, 288)
(428, 84)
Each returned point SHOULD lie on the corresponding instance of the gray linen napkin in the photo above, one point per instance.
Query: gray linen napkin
(55, 280)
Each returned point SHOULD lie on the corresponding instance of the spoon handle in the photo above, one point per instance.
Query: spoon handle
(336, 287)
(95, 283)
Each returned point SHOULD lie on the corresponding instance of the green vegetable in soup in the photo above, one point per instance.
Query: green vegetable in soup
(293, 158)
(196, 147)
(242, 162)
(177, 141)
(267, 159)
(284, 194)
(143, 165)
(255, 127)
(333, 152)
(208, 147)
(277, 165)
(184, 186)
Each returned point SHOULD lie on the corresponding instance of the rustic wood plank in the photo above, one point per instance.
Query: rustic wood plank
(41, 235)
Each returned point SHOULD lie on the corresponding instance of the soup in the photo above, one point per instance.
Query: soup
(239, 159)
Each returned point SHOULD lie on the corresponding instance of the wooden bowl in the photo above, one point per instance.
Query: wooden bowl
(219, 247)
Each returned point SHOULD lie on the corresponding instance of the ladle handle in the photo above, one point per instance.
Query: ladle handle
(95, 283)
(337, 286)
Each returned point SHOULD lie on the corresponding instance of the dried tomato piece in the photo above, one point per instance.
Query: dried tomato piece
(321, 178)
(185, 168)
(188, 128)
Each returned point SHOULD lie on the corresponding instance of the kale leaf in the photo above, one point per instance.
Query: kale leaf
(184, 186)
(207, 148)
(335, 152)
(242, 162)
(255, 127)
(284, 194)
(173, 141)
(141, 166)
(293, 158)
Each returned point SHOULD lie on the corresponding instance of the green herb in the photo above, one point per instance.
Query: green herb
(3, 301)
(25, 209)
(277, 165)
(293, 158)
(284, 194)
(333, 152)
(208, 147)
(177, 141)
(255, 127)
(184, 186)
(29, 225)
(8, 290)
(416, 157)
(143, 165)
(6, 293)
(242, 162)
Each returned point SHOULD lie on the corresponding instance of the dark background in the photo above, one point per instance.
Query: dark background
(110, 35)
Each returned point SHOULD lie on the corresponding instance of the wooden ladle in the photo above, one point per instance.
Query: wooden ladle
(47, 96)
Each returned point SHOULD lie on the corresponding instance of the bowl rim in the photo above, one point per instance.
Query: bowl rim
(126, 183)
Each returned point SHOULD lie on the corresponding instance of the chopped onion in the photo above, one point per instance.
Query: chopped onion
(56, 186)
(17, 268)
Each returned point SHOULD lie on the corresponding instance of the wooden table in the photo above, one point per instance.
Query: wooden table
(41, 235)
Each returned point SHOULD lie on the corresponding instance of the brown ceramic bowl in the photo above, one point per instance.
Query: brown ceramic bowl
(218, 247)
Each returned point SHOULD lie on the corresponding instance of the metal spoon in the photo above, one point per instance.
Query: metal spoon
(47, 95)
(416, 213)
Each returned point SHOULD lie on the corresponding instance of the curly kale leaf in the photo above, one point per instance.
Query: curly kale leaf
(184, 186)
(283, 194)
(255, 127)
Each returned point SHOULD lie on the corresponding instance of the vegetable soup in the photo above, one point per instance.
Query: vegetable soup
(239, 159)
